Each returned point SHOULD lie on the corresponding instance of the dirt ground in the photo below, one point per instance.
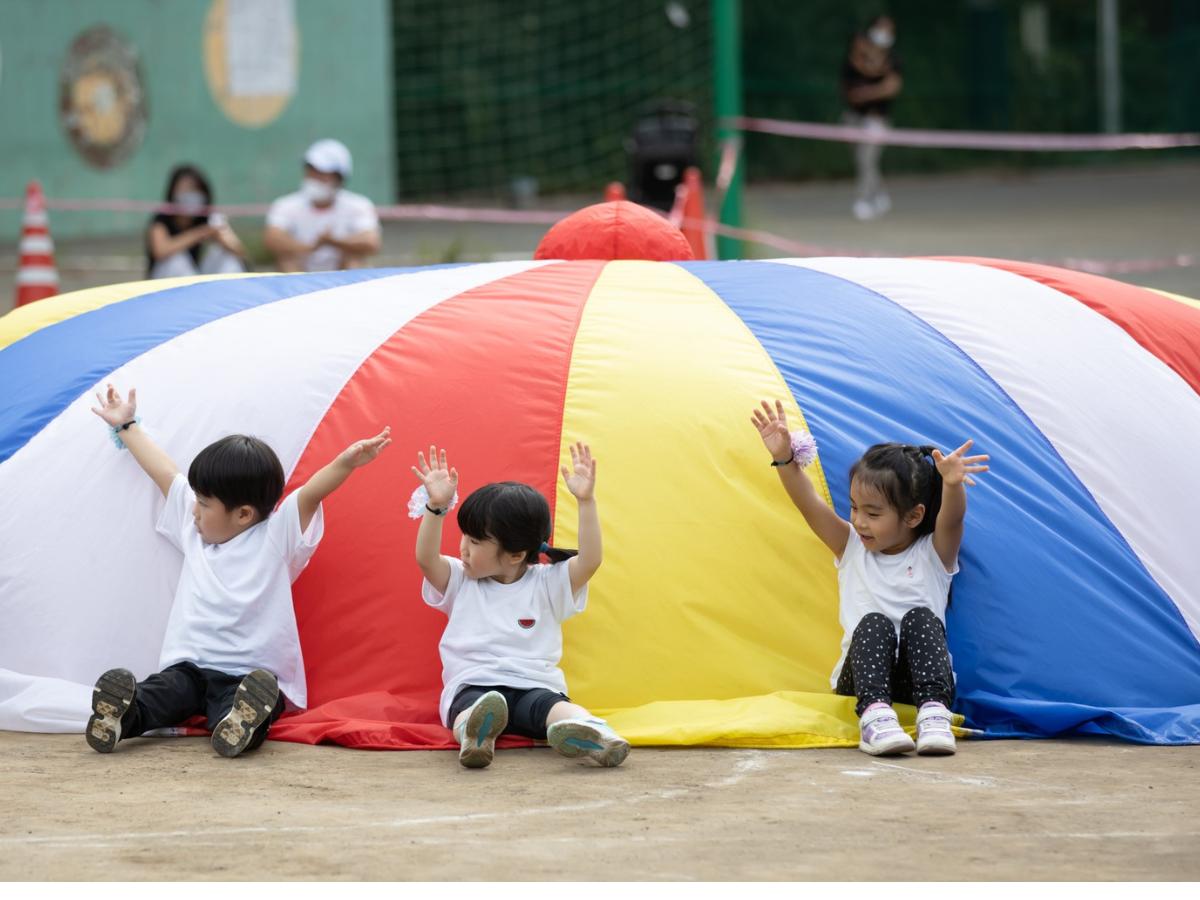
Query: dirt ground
(171, 809)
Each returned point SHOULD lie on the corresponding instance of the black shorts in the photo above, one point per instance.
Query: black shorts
(527, 707)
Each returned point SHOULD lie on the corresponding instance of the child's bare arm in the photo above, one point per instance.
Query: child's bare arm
(955, 470)
(832, 529)
(152, 458)
(441, 482)
(580, 479)
(327, 480)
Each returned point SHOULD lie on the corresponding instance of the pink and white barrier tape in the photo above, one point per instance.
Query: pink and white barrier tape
(397, 212)
(435, 212)
(1079, 264)
(964, 140)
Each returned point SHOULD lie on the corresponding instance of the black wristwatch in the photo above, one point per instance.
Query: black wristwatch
(436, 512)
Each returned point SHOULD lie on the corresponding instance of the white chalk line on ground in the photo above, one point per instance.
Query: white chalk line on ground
(972, 780)
(746, 763)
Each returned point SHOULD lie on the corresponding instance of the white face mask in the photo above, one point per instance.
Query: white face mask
(317, 191)
(881, 37)
(190, 203)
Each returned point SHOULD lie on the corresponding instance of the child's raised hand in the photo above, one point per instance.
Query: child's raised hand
(956, 468)
(580, 478)
(114, 410)
(773, 429)
(440, 481)
(362, 452)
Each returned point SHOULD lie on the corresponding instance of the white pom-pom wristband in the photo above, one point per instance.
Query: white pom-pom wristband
(420, 500)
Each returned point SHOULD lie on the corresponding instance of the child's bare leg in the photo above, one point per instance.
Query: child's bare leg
(564, 710)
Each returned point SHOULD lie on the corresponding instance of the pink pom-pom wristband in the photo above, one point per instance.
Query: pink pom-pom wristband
(804, 450)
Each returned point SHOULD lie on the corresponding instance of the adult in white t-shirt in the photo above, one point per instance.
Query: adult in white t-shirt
(231, 652)
(323, 226)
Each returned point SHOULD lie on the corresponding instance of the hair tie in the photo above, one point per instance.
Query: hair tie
(117, 429)
(545, 548)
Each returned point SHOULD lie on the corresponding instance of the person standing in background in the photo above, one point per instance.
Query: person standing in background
(323, 226)
(870, 82)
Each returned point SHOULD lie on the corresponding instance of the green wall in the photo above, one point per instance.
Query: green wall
(343, 90)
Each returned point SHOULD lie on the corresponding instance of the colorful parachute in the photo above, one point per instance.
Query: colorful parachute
(714, 617)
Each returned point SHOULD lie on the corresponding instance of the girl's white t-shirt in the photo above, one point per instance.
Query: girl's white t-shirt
(503, 634)
(233, 606)
(891, 584)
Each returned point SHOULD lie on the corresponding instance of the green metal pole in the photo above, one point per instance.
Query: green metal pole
(727, 44)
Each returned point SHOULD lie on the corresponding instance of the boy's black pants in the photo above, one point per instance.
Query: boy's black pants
(181, 691)
(913, 670)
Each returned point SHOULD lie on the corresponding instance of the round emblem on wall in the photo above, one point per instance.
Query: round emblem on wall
(251, 58)
(100, 102)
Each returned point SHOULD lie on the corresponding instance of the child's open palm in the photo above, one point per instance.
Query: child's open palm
(114, 410)
(580, 478)
(440, 480)
(956, 468)
(773, 429)
(362, 452)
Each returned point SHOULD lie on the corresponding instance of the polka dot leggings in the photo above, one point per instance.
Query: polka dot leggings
(875, 672)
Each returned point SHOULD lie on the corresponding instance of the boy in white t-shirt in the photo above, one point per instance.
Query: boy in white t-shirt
(231, 651)
(502, 644)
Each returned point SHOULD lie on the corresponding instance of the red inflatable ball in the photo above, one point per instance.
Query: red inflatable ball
(618, 229)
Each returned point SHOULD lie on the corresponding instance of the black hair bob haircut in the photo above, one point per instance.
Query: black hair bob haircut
(513, 514)
(906, 475)
(239, 470)
(187, 170)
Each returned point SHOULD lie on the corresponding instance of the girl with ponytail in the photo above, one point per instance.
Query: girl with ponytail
(503, 641)
(895, 559)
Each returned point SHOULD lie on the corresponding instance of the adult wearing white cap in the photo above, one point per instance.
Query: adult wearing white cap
(323, 226)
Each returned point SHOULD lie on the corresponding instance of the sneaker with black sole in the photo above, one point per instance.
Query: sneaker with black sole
(588, 737)
(111, 698)
(252, 707)
(477, 733)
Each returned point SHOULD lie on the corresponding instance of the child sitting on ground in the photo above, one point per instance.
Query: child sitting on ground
(502, 645)
(895, 559)
(231, 650)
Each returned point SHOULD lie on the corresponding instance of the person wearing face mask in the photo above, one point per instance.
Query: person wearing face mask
(323, 226)
(870, 82)
(188, 239)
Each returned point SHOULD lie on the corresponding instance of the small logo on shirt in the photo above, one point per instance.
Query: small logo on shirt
(908, 572)
(526, 623)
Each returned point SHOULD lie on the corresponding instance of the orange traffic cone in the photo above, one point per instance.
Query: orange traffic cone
(688, 213)
(614, 191)
(36, 276)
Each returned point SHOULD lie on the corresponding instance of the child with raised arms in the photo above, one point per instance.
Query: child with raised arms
(503, 641)
(231, 651)
(895, 559)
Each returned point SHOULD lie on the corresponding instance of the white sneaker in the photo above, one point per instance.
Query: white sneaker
(864, 210)
(477, 733)
(588, 737)
(934, 737)
(880, 732)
